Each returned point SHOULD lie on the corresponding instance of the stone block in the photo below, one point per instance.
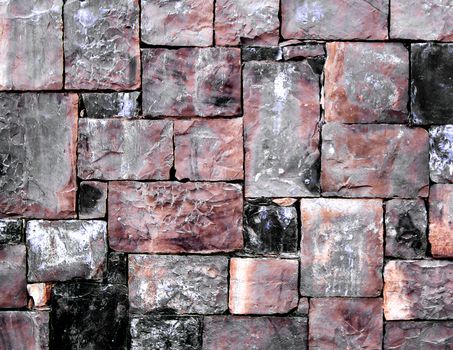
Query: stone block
(116, 268)
(114, 104)
(441, 220)
(11, 231)
(13, 279)
(261, 53)
(441, 153)
(40, 295)
(303, 51)
(92, 199)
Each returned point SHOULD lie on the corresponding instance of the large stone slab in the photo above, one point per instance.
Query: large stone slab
(374, 161)
(113, 104)
(173, 217)
(13, 279)
(38, 134)
(441, 153)
(92, 199)
(441, 220)
(341, 247)
(281, 115)
(11, 230)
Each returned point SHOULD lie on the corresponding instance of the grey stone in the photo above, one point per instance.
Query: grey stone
(92, 199)
(441, 153)
(108, 105)
(251, 53)
(116, 268)
(11, 230)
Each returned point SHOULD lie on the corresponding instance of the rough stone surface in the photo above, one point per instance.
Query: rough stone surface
(172, 217)
(405, 228)
(303, 51)
(38, 134)
(92, 199)
(259, 53)
(441, 220)
(209, 149)
(335, 19)
(432, 83)
(11, 231)
(177, 23)
(13, 280)
(341, 247)
(441, 153)
(114, 104)
(192, 82)
(374, 161)
(418, 290)
(244, 333)
(178, 284)
(114, 149)
(345, 323)
(366, 82)
(101, 44)
(89, 316)
(281, 115)
(303, 307)
(263, 286)
(247, 22)
(116, 268)
(40, 294)
(63, 250)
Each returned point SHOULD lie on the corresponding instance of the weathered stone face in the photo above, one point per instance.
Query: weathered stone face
(341, 247)
(178, 284)
(40, 295)
(13, 280)
(374, 161)
(114, 104)
(260, 53)
(418, 290)
(432, 83)
(303, 51)
(172, 217)
(345, 323)
(209, 149)
(441, 153)
(116, 268)
(335, 19)
(366, 82)
(11, 231)
(101, 44)
(92, 199)
(63, 250)
(244, 333)
(263, 286)
(281, 115)
(405, 228)
(302, 307)
(114, 149)
(441, 220)
(38, 134)
(192, 82)
(178, 23)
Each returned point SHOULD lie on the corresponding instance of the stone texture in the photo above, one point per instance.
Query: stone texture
(114, 104)
(247, 22)
(114, 149)
(263, 286)
(441, 153)
(303, 307)
(366, 82)
(27, 64)
(177, 23)
(101, 44)
(432, 83)
(341, 247)
(165, 332)
(260, 53)
(63, 250)
(116, 268)
(303, 51)
(345, 323)
(92, 199)
(244, 333)
(374, 161)
(441, 220)
(178, 284)
(335, 19)
(281, 115)
(418, 290)
(13, 281)
(38, 134)
(192, 82)
(209, 149)
(405, 228)
(89, 316)
(40, 294)
(11, 231)
(173, 217)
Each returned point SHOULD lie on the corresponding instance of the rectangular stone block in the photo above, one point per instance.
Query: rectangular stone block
(113, 104)
(173, 217)
(374, 161)
(13, 279)
(441, 153)
(441, 220)
(114, 149)
(116, 268)
(178, 284)
(303, 51)
(192, 82)
(261, 53)
(341, 248)
(11, 230)
(281, 115)
(92, 199)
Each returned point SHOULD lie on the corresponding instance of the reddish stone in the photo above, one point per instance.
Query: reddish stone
(441, 220)
(192, 82)
(173, 217)
(263, 286)
(305, 50)
(40, 294)
(341, 247)
(92, 199)
(209, 149)
(24, 330)
(115, 149)
(418, 290)
(374, 161)
(13, 280)
(366, 82)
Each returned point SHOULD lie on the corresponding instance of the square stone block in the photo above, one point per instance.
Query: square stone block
(11, 230)
(13, 279)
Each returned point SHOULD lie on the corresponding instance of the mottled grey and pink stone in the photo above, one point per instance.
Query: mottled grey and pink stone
(303, 51)
(209, 149)
(101, 44)
(374, 161)
(303, 306)
(13, 279)
(38, 134)
(178, 284)
(366, 82)
(441, 220)
(11, 231)
(192, 82)
(111, 104)
(341, 247)
(441, 153)
(92, 199)
(418, 290)
(115, 149)
(281, 115)
(173, 217)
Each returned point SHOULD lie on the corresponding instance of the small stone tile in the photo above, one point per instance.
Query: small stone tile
(259, 53)
(303, 51)
(92, 199)
(13, 280)
(24, 330)
(441, 220)
(116, 268)
(11, 231)
(114, 104)
(441, 153)
(40, 295)
(303, 307)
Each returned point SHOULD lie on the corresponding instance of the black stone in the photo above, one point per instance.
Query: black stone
(409, 235)
(88, 198)
(117, 268)
(261, 54)
(317, 64)
(11, 231)
(116, 104)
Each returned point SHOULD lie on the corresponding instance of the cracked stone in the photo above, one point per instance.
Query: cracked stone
(11, 231)
(441, 153)
(250, 53)
(13, 280)
(116, 268)
(92, 199)
(115, 104)
(441, 220)
(303, 51)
